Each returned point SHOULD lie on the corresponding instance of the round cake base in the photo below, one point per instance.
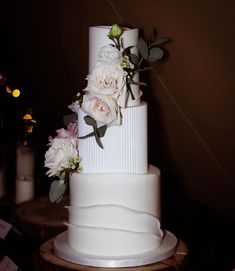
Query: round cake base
(63, 250)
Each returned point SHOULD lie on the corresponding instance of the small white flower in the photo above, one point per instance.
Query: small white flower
(126, 63)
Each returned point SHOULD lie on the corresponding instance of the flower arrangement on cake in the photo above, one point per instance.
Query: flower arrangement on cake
(62, 158)
(110, 83)
(109, 86)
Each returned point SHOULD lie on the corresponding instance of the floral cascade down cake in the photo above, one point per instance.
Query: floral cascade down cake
(114, 212)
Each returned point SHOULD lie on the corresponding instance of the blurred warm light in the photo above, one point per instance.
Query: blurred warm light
(2, 79)
(8, 89)
(16, 93)
(29, 121)
(27, 117)
(29, 129)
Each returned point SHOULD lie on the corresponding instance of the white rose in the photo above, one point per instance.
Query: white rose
(107, 79)
(110, 54)
(102, 108)
(58, 155)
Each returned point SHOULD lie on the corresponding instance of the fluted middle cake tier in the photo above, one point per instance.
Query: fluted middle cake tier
(125, 146)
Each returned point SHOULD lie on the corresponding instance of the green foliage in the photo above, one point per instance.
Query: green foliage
(90, 121)
(131, 64)
(150, 52)
(134, 59)
(58, 187)
(161, 41)
(69, 118)
(97, 132)
(155, 54)
(143, 48)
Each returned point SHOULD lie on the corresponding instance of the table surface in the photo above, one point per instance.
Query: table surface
(40, 219)
(173, 263)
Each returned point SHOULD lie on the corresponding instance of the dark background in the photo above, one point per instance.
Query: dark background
(44, 52)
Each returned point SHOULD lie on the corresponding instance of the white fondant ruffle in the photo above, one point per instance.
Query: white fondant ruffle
(140, 192)
(114, 217)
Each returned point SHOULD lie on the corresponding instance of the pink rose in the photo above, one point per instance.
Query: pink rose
(70, 132)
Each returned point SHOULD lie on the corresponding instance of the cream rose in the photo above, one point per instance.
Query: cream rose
(57, 157)
(103, 109)
(107, 79)
(110, 55)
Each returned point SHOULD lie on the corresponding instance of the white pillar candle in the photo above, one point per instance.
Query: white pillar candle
(24, 189)
(24, 161)
(24, 173)
(2, 182)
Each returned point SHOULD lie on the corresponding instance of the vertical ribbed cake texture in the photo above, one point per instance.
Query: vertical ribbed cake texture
(115, 205)
(125, 146)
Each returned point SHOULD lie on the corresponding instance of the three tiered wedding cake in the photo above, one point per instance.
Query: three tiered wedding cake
(115, 210)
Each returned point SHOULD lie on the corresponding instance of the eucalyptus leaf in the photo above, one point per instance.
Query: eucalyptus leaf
(127, 50)
(101, 130)
(57, 190)
(90, 121)
(98, 141)
(88, 135)
(69, 118)
(155, 54)
(152, 35)
(134, 59)
(143, 48)
(161, 41)
(98, 132)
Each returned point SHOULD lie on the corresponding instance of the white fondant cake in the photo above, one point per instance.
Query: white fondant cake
(115, 195)
(115, 202)
(115, 214)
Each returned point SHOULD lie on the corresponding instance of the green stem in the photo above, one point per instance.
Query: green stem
(140, 61)
(118, 44)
